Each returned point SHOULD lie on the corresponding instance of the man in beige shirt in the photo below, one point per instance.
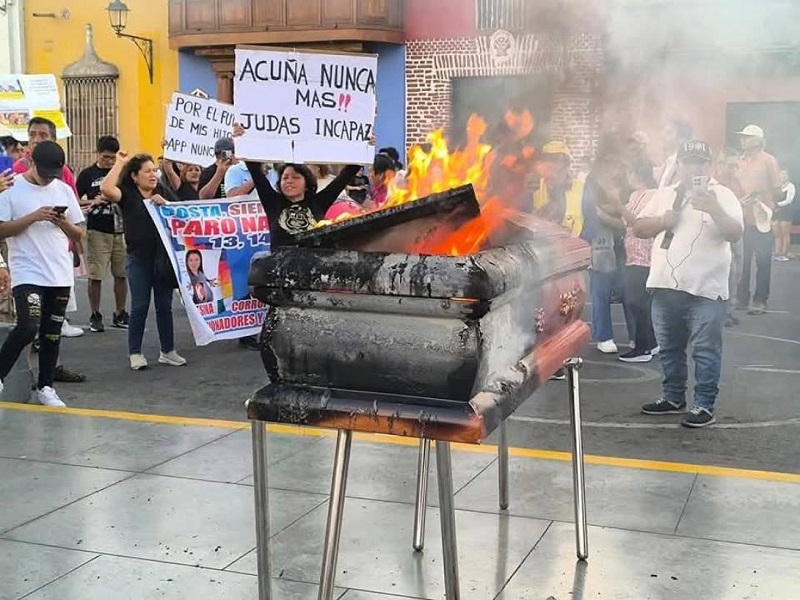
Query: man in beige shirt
(760, 179)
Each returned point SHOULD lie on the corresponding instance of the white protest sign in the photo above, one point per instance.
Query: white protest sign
(193, 126)
(305, 107)
(23, 97)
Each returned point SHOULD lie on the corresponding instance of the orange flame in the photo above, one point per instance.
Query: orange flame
(496, 175)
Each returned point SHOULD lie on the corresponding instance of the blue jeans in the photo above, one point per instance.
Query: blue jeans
(143, 283)
(681, 320)
(600, 287)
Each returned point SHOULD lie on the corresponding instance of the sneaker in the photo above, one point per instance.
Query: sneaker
(250, 343)
(121, 320)
(47, 397)
(138, 362)
(758, 308)
(607, 347)
(96, 323)
(70, 331)
(656, 351)
(636, 356)
(64, 375)
(698, 417)
(663, 407)
(1, 387)
(559, 375)
(783, 258)
(173, 359)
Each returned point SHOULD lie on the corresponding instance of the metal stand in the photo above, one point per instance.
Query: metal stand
(423, 467)
(447, 512)
(574, 365)
(333, 531)
(261, 492)
(502, 467)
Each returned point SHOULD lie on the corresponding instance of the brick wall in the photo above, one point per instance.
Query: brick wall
(574, 65)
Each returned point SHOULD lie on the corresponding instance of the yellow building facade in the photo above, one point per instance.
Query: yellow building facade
(55, 37)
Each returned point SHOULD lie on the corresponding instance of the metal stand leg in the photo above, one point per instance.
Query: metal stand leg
(261, 492)
(444, 471)
(423, 467)
(578, 482)
(502, 467)
(333, 531)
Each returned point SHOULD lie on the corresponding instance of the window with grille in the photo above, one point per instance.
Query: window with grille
(511, 15)
(91, 111)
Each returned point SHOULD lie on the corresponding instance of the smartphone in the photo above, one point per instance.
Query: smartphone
(700, 183)
(60, 209)
(6, 163)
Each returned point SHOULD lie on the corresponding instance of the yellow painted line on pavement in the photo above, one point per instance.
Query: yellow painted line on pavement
(609, 461)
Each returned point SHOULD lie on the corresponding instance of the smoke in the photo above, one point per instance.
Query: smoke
(690, 60)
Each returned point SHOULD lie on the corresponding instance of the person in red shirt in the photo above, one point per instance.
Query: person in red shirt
(42, 130)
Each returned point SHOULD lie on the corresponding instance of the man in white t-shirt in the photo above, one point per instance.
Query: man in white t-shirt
(694, 223)
(39, 217)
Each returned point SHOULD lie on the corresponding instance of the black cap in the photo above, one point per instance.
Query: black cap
(49, 159)
(223, 145)
(382, 163)
(695, 149)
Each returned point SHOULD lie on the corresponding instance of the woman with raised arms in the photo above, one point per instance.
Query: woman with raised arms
(296, 205)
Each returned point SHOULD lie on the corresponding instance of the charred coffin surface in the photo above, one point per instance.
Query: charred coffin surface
(416, 416)
(401, 226)
(442, 327)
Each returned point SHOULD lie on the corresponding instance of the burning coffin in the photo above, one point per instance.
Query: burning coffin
(373, 327)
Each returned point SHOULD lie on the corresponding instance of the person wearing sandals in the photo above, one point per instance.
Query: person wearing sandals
(130, 183)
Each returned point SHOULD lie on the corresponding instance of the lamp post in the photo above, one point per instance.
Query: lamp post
(118, 17)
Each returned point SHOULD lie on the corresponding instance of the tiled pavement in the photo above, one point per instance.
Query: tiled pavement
(109, 508)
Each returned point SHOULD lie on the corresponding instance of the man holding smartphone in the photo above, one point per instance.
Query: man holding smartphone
(694, 223)
(40, 216)
(212, 178)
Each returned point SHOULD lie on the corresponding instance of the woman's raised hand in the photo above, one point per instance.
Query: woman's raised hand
(122, 157)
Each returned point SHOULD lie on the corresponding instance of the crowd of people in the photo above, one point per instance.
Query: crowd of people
(673, 243)
(56, 225)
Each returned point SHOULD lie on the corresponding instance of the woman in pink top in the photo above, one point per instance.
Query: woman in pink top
(637, 266)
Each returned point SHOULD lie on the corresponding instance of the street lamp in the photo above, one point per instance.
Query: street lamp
(118, 17)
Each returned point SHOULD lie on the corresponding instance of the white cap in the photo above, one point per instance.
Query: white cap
(752, 131)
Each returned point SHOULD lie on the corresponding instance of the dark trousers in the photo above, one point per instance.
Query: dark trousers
(758, 245)
(144, 285)
(40, 310)
(639, 299)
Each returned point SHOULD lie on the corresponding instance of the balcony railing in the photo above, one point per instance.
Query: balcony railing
(197, 23)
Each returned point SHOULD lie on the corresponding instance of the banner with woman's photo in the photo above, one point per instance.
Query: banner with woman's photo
(211, 245)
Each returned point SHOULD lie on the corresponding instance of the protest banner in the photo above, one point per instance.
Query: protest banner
(211, 244)
(304, 106)
(23, 97)
(193, 125)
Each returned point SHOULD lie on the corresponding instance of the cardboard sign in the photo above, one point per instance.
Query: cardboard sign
(193, 126)
(305, 107)
(23, 97)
